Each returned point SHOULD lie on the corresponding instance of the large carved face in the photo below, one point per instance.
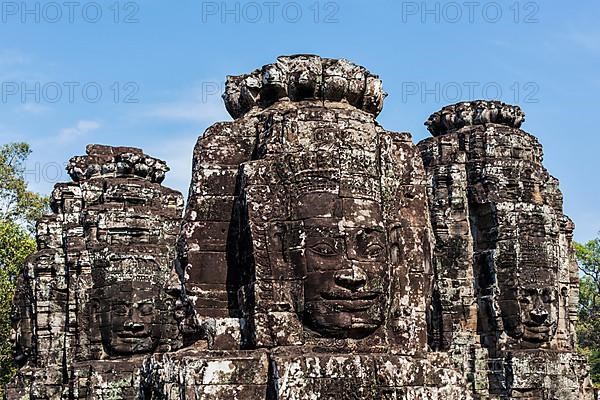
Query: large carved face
(344, 263)
(533, 315)
(130, 318)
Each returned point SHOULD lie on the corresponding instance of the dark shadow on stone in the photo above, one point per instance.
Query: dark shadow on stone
(240, 263)
(272, 387)
(435, 323)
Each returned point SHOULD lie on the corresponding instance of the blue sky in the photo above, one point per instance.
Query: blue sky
(161, 65)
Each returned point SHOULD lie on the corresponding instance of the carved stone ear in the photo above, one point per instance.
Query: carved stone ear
(95, 320)
(290, 235)
(277, 238)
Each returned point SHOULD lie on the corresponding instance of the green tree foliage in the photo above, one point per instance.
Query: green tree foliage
(17, 203)
(588, 327)
(19, 209)
(15, 245)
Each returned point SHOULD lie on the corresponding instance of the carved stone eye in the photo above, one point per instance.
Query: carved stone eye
(374, 250)
(146, 309)
(120, 310)
(323, 249)
(547, 296)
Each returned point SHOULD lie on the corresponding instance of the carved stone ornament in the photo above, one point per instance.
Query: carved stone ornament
(319, 256)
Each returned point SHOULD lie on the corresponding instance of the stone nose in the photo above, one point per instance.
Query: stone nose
(304, 77)
(538, 314)
(351, 278)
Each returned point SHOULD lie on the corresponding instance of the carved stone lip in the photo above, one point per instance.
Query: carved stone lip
(354, 305)
(537, 329)
(351, 304)
(133, 336)
(352, 296)
(363, 325)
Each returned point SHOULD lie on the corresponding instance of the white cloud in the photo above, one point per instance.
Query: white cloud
(177, 151)
(587, 40)
(200, 105)
(32, 108)
(12, 58)
(196, 108)
(13, 65)
(81, 128)
(188, 111)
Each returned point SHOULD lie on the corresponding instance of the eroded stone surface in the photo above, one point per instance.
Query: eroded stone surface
(506, 277)
(319, 257)
(480, 112)
(304, 77)
(95, 289)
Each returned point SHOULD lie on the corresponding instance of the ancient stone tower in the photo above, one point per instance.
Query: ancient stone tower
(319, 256)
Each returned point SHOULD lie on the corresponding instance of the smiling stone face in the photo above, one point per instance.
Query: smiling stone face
(343, 260)
(539, 313)
(131, 316)
(129, 305)
(533, 315)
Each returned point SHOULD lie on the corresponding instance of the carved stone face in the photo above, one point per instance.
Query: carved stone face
(130, 318)
(344, 262)
(533, 315)
(22, 334)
